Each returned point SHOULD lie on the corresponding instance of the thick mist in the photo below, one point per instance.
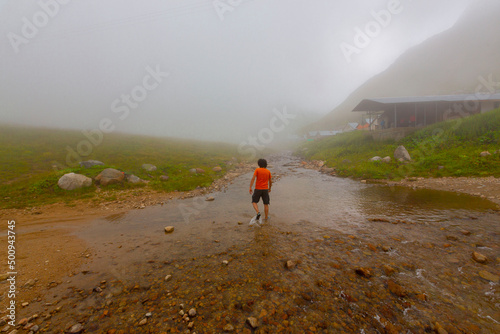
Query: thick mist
(212, 70)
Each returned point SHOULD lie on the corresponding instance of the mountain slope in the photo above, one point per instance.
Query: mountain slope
(450, 62)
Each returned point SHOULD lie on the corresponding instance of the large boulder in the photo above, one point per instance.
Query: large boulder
(149, 167)
(91, 163)
(73, 181)
(133, 179)
(110, 176)
(402, 153)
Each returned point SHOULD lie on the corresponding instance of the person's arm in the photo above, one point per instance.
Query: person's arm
(251, 183)
(270, 183)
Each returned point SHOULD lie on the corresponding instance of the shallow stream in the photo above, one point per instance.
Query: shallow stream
(365, 259)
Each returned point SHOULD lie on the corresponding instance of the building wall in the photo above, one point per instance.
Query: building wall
(393, 133)
(488, 105)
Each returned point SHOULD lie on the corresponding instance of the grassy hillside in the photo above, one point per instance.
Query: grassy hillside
(450, 148)
(32, 160)
(436, 75)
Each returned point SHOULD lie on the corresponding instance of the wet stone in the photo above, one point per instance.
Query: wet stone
(439, 329)
(290, 264)
(489, 276)
(478, 257)
(169, 229)
(396, 289)
(75, 329)
(228, 328)
(252, 322)
(388, 270)
(364, 272)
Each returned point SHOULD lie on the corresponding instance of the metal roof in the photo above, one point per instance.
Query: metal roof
(377, 104)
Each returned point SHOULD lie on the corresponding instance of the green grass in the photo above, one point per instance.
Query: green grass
(454, 144)
(28, 156)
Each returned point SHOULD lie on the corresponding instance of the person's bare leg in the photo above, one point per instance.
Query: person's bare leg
(256, 207)
(266, 210)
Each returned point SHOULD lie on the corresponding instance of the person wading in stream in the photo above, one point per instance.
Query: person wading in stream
(262, 188)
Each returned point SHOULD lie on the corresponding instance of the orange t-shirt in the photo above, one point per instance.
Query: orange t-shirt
(263, 176)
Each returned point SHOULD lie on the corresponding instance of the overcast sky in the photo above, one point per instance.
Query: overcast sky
(229, 62)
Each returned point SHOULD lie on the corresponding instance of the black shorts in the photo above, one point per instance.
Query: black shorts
(258, 193)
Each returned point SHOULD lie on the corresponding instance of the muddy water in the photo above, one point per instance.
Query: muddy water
(366, 259)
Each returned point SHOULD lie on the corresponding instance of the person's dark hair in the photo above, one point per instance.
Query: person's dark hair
(262, 163)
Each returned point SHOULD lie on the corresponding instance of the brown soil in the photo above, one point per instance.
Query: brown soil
(47, 250)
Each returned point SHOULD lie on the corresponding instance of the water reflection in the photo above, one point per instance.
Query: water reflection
(418, 270)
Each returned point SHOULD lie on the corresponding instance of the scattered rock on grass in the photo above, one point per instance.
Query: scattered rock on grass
(149, 167)
(402, 153)
(91, 163)
(110, 176)
(72, 181)
(133, 179)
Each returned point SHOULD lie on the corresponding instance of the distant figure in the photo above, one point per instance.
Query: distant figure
(382, 124)
(262, 187)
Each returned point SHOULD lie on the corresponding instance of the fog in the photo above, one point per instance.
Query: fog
(211, 70)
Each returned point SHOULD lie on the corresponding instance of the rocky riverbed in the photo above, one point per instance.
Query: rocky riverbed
(343, 257)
